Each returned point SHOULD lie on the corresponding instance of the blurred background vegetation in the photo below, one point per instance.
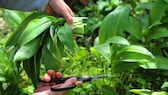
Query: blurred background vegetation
(131, 79)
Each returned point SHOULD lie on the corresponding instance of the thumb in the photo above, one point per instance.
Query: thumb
(69, 82)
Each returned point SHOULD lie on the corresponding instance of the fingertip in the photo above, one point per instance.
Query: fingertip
(51, 73)
(69, 20)
(46, 78)
(58, 75)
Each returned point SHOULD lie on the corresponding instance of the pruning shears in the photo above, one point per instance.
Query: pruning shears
(79, 79)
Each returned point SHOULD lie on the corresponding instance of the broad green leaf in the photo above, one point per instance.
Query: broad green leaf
(34, 29)
(148, 64)
(155, 24)
(136, 54)
(159, 63)
(156, 12)
(28, 50)
(133, 57)
(165, 85)
(14, 18)
(37, 60)
(60, 47)
(107, 90)
(117, 40)
(137, 49)
(114, 23)
(157, 33)
(141, 91)
(162, 62)
(13, 38)
(141, 56)
(65, 35)
(12, 52)
(159, 93)
(31, 67)
(122, 67)
(134, 28)
(52, 32)
(53, 47)
(96, 41)
(104, 49)
(50, 61)
(145, 5)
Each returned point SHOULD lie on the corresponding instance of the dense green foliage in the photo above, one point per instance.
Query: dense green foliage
(126, 39)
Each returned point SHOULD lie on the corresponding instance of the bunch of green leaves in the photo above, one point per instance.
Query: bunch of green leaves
(41, 39)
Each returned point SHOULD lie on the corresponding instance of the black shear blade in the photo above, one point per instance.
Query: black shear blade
(104, 75)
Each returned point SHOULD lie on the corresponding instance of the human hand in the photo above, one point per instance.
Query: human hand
(59, 8)
(44, 88)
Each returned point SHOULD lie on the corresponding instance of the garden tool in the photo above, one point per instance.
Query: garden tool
(79, 79)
